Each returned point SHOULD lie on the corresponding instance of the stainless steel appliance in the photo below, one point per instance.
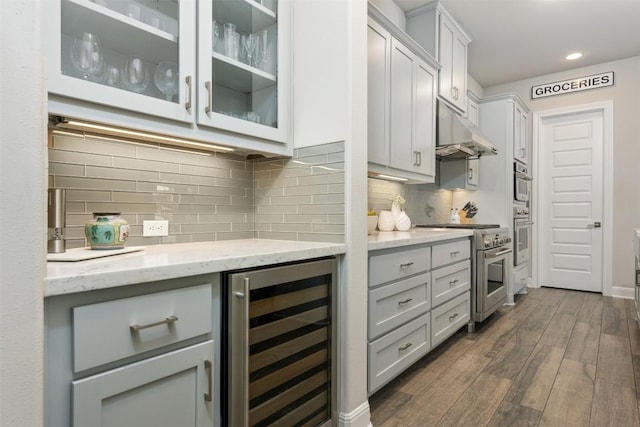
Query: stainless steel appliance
(521, 235)
(490, 268)
(521, 179)
(277, 352)
(458, 138)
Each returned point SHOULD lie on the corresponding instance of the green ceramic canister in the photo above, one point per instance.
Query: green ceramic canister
(107, 230)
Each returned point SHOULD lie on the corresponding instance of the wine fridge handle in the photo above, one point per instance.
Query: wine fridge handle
(239, 351)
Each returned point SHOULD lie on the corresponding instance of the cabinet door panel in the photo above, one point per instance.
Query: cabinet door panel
(379, 74)
(163, 33)
(164, 391)
(459, 73)
(402, 102)
(447, 37)
(424, 141)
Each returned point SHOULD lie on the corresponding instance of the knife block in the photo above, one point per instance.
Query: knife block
(463, 217)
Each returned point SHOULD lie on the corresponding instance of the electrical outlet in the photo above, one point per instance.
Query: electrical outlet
(155, 228)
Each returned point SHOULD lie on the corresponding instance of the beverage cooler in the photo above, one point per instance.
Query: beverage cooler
(277, 350)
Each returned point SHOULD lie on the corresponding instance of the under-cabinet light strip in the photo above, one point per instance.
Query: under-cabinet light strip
(390, 177)
(75, 124)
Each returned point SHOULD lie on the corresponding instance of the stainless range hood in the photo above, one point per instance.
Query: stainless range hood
(458, 138)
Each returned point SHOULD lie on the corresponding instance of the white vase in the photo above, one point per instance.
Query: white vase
(403, 222)
(386, 221)
(395, 210)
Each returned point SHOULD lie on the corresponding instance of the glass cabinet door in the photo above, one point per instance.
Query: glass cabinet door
(136, 55)
(241, 71)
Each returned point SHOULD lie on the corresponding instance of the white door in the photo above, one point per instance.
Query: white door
(571, 200)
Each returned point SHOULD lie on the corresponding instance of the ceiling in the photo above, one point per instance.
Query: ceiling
(518, 39)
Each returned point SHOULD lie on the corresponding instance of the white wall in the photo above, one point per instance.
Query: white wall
(22, 219)
(625, 95)
(330, 104)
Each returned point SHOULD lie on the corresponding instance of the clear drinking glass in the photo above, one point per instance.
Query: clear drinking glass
(113, 76)
(86, 55)
(249, 44)
(166, 78)
(136, 77)
(231, 41)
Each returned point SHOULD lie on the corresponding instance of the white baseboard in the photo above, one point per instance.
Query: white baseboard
(359, 417)
(622, 292)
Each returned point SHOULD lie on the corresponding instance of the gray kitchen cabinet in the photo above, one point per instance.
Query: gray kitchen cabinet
(401, 112)
(143, 355)
(418, 295)
(521, 151)
(437, 31)
(172, 389)
(214, 97)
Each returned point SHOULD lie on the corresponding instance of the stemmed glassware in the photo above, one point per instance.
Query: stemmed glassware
(264, 50)
(249, 42)
(136, 77)
(86, 55)
(166, 78)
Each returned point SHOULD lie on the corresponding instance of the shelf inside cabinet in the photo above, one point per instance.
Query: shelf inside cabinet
(238, 76)
(121, 33)
(247, 15)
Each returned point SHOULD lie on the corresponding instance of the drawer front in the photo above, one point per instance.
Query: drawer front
(450, 281)
(449, 317)
(388, 266)
(392, 305)
(396, 351)
(448, 253)
(112, 330)
(520, 278)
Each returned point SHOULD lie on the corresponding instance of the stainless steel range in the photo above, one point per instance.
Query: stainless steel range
(491, 264)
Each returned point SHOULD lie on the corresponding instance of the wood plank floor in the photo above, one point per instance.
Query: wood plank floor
(556, 358)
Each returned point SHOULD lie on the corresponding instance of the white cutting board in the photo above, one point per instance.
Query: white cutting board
(82, 254)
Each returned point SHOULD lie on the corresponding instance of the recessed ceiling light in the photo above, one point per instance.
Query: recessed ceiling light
(573, 56)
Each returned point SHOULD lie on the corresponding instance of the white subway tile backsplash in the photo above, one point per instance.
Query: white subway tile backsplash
(211, 197)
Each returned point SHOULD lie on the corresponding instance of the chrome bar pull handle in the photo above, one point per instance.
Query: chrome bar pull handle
(404, 347)
(409, 264)
(453, 316)
(453, 282)
(209, 108)
(187, 105)
(167, 321)
(405, 301)
(208, 367)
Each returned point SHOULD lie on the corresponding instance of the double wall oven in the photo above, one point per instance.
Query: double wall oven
(522, 226)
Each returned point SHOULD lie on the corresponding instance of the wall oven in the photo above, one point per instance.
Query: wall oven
(521, 235)
(521, 182)
(277, 353)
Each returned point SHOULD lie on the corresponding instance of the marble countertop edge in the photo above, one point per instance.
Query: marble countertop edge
(394, 239)
(163, 262)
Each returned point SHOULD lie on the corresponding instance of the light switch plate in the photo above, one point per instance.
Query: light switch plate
(155, 228)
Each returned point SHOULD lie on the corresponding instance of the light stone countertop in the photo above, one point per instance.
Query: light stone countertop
(161, 262)
(394, 239)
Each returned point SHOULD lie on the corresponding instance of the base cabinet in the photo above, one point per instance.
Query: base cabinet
(419, 295)
(140, 355)
(173, 389)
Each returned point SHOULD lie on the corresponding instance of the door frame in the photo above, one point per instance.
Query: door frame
(606, 108)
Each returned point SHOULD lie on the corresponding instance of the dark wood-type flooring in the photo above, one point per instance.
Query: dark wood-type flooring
(556, 358)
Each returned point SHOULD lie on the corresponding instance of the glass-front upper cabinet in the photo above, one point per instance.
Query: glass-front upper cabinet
(136, 55)
(243, 66)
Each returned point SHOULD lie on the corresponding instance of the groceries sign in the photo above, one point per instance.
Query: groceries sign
(574, 85)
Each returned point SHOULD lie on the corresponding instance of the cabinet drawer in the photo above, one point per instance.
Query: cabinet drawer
(396, 351)
(392, 305)
(395, 265)
(520, 278)
(113, 330)
(450, 281)
(448, 253)
(449, 317)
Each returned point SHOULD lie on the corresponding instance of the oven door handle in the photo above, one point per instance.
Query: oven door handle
(497, 254)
